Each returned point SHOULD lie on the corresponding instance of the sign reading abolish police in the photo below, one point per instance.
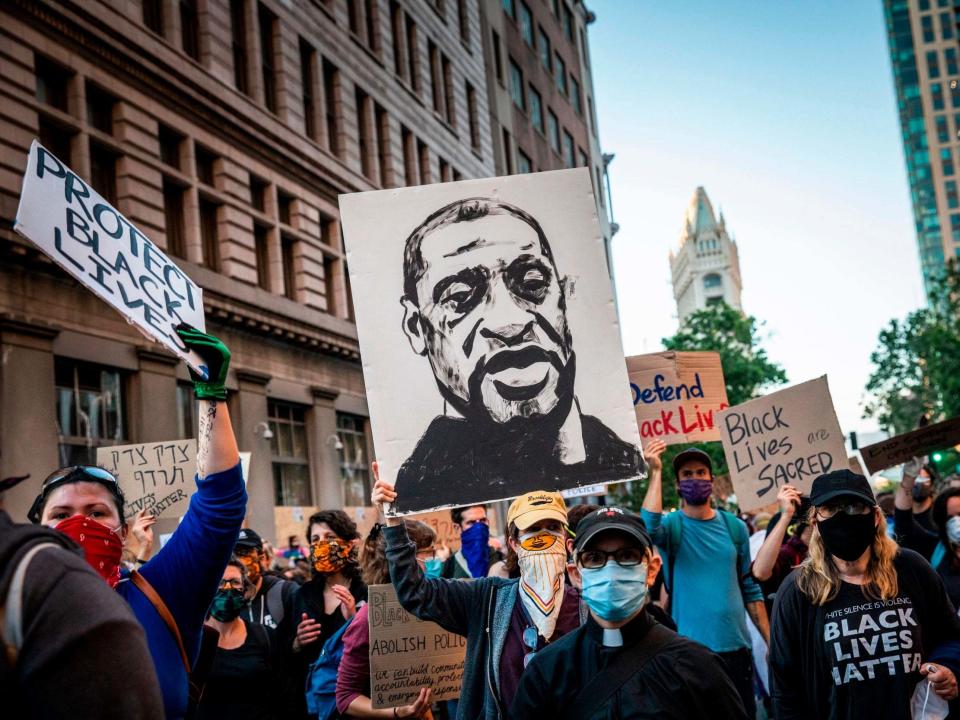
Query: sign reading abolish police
(91, 240)
(677, 394)
(407, 654)
(157, 477)
(790, 436)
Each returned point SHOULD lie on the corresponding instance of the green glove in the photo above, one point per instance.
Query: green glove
(215, 356)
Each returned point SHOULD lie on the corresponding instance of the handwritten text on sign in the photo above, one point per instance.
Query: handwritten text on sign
(158, 477)
(407, 654)
(791, 436)
(91, 240)
(899, 449)
(676, 395)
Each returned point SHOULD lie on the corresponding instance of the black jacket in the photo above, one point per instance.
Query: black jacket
(684, 680)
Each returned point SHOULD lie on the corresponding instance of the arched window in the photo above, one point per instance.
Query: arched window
(712, 281)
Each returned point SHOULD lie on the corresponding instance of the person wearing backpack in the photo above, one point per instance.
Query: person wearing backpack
(706, 554)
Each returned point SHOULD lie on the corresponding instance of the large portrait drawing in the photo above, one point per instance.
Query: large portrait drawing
(491, 349)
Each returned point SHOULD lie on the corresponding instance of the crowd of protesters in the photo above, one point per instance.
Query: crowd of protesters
(587, 611)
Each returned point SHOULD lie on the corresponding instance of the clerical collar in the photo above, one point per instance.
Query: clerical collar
(612, 637)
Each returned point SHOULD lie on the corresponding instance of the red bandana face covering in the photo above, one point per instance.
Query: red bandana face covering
(101, 546)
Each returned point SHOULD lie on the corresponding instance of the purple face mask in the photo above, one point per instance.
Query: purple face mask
(696, 492)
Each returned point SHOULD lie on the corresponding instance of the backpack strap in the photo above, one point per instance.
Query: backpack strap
(164, 612)
(675, 535)
(625, 665)
(735, 530)
(11, 614)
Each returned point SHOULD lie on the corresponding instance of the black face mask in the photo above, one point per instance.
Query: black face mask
(921, 491)
(847, 536)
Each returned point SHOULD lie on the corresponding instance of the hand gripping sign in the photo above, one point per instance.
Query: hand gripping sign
(91, 240)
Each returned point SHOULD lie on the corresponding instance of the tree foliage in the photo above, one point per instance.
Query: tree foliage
(917, 361)
(747, 371)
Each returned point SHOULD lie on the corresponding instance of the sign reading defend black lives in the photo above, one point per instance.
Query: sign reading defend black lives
(86, 236)
(787, 437)
(407, 654)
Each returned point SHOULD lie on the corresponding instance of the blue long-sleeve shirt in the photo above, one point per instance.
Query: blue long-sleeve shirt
(711, 585)
(186, 573)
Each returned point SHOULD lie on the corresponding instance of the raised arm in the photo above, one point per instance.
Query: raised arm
(763, 564)
(910, 534)
(653, 500)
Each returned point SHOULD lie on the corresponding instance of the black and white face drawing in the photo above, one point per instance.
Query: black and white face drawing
(485, 308)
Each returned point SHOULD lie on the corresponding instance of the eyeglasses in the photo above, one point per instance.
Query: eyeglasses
(231, 584)
(624, 557)
(530, 640)
(825, 512)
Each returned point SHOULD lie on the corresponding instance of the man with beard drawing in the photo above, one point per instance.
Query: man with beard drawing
(485, 304)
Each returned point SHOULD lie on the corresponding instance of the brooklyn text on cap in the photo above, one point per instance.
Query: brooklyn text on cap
(535, 506)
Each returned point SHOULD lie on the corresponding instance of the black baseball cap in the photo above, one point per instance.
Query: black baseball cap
(688, 455)
(611, 518)
(249, 540)
(841, 483)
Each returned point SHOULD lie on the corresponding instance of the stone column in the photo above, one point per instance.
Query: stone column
(324, 460)
(249, 422)
(29, 441)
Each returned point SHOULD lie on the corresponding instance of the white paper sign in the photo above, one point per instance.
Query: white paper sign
(491, 349)
(91, 240)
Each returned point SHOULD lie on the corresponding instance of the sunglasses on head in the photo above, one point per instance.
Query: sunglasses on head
(73, 473)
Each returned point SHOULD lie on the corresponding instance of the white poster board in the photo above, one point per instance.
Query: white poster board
(100, 248)
(491, 349)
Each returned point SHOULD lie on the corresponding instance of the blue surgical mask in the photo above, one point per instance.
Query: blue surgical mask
(613, 592)
(433, 567)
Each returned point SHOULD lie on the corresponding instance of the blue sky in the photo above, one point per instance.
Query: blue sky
(785, 112)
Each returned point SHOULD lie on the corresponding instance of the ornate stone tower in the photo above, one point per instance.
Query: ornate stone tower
(706, 268)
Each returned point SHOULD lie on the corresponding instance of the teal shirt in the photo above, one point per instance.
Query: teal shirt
(707, 602)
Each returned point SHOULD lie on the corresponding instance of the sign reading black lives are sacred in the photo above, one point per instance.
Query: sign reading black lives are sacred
(86, 236)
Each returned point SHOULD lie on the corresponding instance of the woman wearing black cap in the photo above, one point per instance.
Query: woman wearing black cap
(857, 625)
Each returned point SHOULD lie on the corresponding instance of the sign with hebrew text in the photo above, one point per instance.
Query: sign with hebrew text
(157, 477)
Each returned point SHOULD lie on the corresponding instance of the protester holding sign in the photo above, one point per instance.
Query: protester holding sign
(622, 662)
(707, 558)
(504, 620)
(777, 556)
(858, 625)
(353, 680)
(171, 593)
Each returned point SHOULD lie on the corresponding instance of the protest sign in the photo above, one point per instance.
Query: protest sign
(158, 477)
(490, 346)
(407, 654)
(448, 532)
(99, 247)
(584, 491)
(677, 395)
(901, 448)
(790, 436)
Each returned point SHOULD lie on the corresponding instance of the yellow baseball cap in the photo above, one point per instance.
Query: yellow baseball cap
(535, 506)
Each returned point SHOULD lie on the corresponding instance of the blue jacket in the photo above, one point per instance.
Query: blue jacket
(186, 573)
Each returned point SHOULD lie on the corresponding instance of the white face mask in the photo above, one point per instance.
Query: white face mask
(542, 557)
(953, 529)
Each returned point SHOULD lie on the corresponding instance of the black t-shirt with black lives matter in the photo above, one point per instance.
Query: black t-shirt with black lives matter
(857, 657)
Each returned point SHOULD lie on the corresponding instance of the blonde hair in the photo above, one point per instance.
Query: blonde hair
(819, 579)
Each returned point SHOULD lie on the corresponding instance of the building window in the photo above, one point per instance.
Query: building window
(189, 30)
(463, 20)
(289, 453)
(288, 256)
(373, 26)
(567, 21)
(258, 193)
(353, 16)
(284, 208)
(55, 138)
(382, 123)
(449, 102)
(103, 172)
(584, 160)
(170, 142)
(507, 153)
(523, 162)
(308, 70)
(331, 91)
(950, 60)
(933, 67)
(569, 152)
(599, 186)
(936, 94)
(238, 41)
(52, 82)
(444, 170)
(436, 88)
(575, 95)
(90, 410)
(536, 109)
(329, 283)
(526, 24)
(545, 53)
(396, 35)
(268, 22)
(926, 25)
(497, 58)
(423, 155)
(173, 218)
(100, 106)
(208, 234)
(955, 227)
(261, 241)
(472, 116)
(946, 160)
(712, 281)
(516, 85)
(583, 48)
(354, 464)
(592, 118)
(205, 165)
(409, 157)
(413, 55)
(364, 132)
(510, 8)
(952, 201)
(153, 15)
(946, 26)
(186, 411)
(943, 131)
(560, 73)
(553, 131)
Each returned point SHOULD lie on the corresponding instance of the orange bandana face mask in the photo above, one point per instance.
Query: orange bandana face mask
(328, 556)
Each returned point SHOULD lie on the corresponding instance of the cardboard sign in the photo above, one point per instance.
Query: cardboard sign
(407, 654)
(676, 395)
(490, 345)
(99, 247)
(901, 448)
(155, 476)
(790, 436)
(448, 532)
